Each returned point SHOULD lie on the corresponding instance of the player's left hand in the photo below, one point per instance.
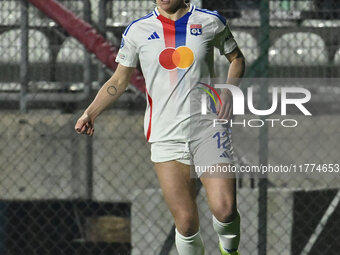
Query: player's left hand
(225, 111)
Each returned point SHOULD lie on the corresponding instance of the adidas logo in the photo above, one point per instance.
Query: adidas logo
(153, 36)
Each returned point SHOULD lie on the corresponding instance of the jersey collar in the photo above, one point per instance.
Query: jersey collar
(162, 18)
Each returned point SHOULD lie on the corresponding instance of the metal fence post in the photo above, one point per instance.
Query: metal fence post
(102, 30)
(87, 83)
(24, 55)
(263, 136)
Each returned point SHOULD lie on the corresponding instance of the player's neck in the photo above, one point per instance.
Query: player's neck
(175, 14)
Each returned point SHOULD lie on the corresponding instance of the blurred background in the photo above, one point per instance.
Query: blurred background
(62, 193)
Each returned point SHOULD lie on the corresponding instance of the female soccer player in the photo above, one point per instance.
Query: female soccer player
(174, 45)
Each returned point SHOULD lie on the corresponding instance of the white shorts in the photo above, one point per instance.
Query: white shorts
(212, 147)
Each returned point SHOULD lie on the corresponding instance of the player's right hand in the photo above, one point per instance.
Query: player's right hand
(85, 125)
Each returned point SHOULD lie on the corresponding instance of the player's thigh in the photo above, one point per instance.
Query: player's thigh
(221, 195)
(177, 187)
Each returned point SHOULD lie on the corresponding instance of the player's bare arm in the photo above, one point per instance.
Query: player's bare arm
(108, 93)
(235, 73)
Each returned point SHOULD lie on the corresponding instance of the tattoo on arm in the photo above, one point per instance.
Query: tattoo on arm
(112, 90)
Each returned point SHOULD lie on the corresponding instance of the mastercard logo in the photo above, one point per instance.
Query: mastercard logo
(181, 57)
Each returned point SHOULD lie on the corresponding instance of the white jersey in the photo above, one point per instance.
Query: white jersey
(172, 54)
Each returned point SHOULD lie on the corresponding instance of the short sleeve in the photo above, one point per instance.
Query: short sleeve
(224, 39)
(127, 54)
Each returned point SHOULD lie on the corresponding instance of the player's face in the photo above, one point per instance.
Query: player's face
(170, 5)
